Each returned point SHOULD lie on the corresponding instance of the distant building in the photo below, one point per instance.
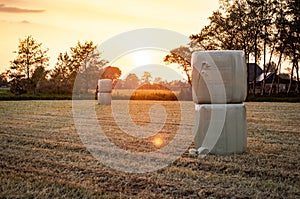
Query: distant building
(280, 82)
(251, 73)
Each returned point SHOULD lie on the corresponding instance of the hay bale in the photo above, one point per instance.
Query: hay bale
(104, 85)
(230, 138)
(212, 69)
(104, 98)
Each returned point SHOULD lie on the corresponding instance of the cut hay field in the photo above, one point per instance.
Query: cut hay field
(42, 156)
(144, 94)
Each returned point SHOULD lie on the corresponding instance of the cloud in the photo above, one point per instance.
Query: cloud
(25, 22)
(4, 8)
(10, 1)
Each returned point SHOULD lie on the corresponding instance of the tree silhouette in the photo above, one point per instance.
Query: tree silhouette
(111, 72)
(181, 56)
(131, 81)
(84, 56)
(84, 63)
(158, 80)
(3, 79)
(38, 76)
(61, 73)
(30, 56)
(258, 27)
(292, 50)
(146, 78)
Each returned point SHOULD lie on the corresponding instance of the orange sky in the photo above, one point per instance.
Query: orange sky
(59, 24)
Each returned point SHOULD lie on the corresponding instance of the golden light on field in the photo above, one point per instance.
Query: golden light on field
(158, 141)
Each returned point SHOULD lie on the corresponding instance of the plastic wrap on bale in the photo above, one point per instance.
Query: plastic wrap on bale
(104, 85)
(104, 98)
(217, 68)
(231, 138)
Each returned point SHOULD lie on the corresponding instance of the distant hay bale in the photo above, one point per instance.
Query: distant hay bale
(105, 85)
(104, 98)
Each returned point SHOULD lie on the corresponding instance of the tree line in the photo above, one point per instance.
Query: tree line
(260, 28)
(132, 81)
(75, 71)
(28, 71)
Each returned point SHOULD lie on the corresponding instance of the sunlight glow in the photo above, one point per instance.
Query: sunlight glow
(142, 58)
(150, 60)
(157, 141)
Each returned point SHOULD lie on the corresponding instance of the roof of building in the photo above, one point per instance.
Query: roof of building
(251, 68)
(284, 78)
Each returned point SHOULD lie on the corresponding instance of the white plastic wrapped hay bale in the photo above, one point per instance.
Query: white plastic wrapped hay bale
(104, 85)
(104, 98)
(217, 71)
(221, 135)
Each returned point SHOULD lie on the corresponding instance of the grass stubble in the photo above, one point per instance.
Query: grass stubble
(42, 156)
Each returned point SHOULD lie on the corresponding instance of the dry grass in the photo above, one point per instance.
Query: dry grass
(43, 157)
(145, 94)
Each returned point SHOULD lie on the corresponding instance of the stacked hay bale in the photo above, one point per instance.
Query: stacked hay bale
(219, 81)
(104, 91)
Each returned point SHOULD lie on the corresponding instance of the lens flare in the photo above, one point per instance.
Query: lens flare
(158, 141)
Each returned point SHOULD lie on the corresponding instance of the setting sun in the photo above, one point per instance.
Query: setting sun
(150, 60)
(142, 57)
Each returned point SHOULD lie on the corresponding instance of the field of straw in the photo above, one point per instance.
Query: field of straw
(145, 94)
(42, 155)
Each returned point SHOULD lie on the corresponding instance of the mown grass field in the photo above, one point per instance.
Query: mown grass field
(144, 94)
(42, 156)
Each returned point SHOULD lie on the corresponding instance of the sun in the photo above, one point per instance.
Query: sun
(142, 57)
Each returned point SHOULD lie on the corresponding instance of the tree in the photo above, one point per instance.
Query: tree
(84, 63)
(81, 55)
(258, 27)
(131, 81)
(263, 11)
(232, 27)
(60, 75)
(146, 78)
(38, 76)
(158, 80)
(293, 39)
(229, 28)
(271, 67)
(3, 79)
(111, 72)
(181, 56)
(30, 56)
(84, 56)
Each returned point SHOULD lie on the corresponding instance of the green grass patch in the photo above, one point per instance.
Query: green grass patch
(272, 99)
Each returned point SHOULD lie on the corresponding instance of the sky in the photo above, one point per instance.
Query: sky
(59, 24)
